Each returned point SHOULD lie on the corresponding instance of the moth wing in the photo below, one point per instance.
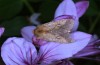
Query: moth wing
(53, 38)
(69, 24)
(54, 31)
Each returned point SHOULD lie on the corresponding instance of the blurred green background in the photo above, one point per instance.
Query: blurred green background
(15, 14)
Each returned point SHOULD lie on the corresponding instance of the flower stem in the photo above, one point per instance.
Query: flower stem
(94, 24)
(28, 6)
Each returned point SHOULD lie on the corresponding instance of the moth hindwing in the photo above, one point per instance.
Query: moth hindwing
(55, 31)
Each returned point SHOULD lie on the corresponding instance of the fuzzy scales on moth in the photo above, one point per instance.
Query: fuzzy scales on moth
(55, 31)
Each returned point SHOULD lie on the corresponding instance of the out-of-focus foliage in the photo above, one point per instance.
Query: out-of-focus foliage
(12, 27)
(35, 1)
(93, 9)
(10, 8)
(47, 9)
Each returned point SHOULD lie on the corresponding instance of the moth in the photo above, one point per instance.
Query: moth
(55, 31)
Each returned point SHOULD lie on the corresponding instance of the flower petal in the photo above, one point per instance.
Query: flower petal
(38, 42)
(66, 7)
(1, 31)
(27, 32)
(57, 51)
(81, 7)
(64, 17)
(65, 62)
(34, 17)
(17, 51)
(75, 25)
(91, 49)
(94, 38)
(62, 62)
(80, 35)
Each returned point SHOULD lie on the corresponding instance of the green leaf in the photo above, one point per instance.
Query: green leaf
(9, 8)
(13, 27)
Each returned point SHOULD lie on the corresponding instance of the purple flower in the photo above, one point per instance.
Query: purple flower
(1, 31)
(21, 51)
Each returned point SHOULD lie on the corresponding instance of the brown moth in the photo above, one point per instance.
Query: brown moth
(55, 31)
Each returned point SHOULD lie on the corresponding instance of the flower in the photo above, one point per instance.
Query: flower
(19, 51)
(1, 31)
(22, 51)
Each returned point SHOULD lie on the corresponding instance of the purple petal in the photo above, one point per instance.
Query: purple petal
(27, 32)
(75, 25)
(91, 49)
(65, 62)
(81, 7)
(34, 17)
(66, 7)
(94, 38)
(80, 35)
(38, 42)
(1, 31)
(57, 51)
(17, 51)
(64, 17)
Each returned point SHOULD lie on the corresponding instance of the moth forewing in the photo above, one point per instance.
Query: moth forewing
(52, 38)
(69, 24)
(58, 31)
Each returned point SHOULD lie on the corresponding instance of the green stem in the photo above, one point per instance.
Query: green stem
(90, 20)
(94, 24)
(28, 6)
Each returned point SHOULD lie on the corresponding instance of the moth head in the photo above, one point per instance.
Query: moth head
(39, 31)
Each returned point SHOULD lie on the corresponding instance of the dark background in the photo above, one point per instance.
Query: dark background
(14, 15)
